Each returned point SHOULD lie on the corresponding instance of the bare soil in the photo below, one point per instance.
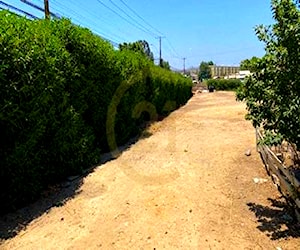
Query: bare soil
(186, 185)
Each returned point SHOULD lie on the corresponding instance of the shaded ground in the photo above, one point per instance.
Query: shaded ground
(188, 186)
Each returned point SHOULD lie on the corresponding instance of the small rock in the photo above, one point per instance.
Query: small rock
(259, 180)
(248, 152)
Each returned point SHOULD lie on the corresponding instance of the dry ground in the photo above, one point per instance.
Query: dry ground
(188, 186)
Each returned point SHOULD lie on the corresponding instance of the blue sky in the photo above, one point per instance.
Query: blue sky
(199, 30)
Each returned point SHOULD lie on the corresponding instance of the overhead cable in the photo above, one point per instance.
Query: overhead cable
(17, 9)
(115, 12)
(140, 17)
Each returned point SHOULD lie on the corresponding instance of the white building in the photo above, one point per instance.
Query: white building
(240, 75)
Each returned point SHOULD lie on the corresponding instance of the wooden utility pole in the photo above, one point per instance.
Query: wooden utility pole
(160, 58)
(184, 65)
(47, 11)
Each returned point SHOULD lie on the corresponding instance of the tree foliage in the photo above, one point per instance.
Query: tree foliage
(249, 64)
(140, 46)
(272, 94)
(224, 84)
(204, 70)
(165, 65)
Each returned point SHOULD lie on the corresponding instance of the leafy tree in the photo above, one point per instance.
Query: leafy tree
(204, 70)
(249, 64)
(272, 94)
(165, 65)
(140, 46)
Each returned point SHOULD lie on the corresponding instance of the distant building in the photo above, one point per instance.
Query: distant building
(193, 73)
(243, 74)
(222, 71)
(240, 75)
(194, 76)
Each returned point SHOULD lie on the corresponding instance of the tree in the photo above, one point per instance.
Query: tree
(249, 64)
(272, 94)
(140, 46)
(165, 65)
(204, 70)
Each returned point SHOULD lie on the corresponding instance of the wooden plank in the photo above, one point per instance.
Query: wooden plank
(286, 172)
(278, 163)
(285, 180)
(284, 185)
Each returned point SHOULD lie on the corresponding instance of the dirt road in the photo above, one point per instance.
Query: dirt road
(187, 186)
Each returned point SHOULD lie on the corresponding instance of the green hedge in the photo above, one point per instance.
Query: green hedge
(59, 87)
(224, 84)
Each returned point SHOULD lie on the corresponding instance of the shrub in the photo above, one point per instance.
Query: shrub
(59, 84)
(41, 131)
(272, 93)
(224, 84)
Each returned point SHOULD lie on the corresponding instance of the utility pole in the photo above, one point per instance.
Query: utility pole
(160, 58)
(47, 11)
(184, 65)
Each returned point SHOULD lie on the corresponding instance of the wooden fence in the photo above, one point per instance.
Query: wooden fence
(287, 179)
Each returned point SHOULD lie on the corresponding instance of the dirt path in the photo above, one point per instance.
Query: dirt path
(188, 186)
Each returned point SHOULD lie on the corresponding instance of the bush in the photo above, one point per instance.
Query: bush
(41, 130)
(272, 94)
(224, 84)
(61, 85)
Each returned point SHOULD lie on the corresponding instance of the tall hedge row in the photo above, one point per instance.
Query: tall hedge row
(224, 84)
(63, 90)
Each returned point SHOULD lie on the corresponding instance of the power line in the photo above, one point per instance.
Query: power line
(172, 51)
(17, 9)
(39, 8)
(141, 18)
(154, 47)
(133, 24)
(176, 54)
(99, 18)
(95, 31)
(134, 20)
(78, 18)
(134, 12)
